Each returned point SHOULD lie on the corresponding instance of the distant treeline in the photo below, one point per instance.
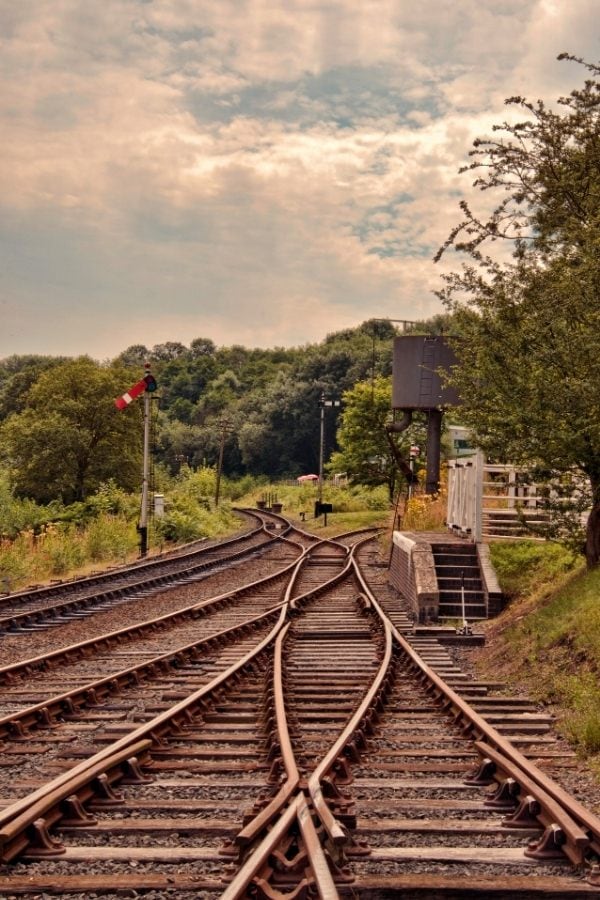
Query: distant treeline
(264, 404)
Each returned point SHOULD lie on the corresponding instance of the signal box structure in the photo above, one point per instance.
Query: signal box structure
(418, 385)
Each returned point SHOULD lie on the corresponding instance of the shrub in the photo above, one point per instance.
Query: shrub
(520, 565)
(109, 537)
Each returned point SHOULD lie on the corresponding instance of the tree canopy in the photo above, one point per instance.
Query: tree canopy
(366, 451)
(69, 437)
(529, 346)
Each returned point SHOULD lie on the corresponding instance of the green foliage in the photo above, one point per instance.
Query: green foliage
(59, 549)
(16, 514)
(559, 642)
(366, 451)
(111, 499)
(529, 329)
(523, 565)
(70, 437)
(109, 537)
(190, 512)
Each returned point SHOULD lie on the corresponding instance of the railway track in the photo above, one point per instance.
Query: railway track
(293, 738)
(54, 605)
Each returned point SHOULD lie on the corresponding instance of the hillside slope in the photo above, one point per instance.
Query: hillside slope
(547, 640)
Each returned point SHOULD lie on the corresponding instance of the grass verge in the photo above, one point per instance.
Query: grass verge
(548, 638)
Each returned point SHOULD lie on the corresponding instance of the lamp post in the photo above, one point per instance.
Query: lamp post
(322, 404)
(226, 428)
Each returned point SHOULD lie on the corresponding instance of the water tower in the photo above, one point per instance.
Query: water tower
(418, 386)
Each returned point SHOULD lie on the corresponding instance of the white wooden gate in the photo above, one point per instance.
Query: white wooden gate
(489, 502)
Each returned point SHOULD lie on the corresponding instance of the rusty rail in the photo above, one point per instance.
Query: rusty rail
(562, 834)
(27, 808)
(37, 662)
(476, 726)
(41, 713)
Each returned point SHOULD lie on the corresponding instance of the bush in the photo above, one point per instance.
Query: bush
(109, 537)
(521, 565)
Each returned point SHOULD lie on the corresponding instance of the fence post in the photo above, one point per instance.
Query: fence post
(478, 498)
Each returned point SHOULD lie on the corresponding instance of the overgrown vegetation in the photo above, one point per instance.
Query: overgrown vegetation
(549, 637)
(528, 328)
(40, 543)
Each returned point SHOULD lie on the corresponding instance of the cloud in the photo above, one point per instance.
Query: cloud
(246, 171)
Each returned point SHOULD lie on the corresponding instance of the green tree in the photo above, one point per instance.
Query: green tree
(17, 375)
(365, 453)
(70, 437)
(529, 348)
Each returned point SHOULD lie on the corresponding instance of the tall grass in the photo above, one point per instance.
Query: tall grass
(549, 637)
(424, 512)
(38, 544)
(60, 549)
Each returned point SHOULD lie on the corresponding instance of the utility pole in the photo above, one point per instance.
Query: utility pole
(226, 429)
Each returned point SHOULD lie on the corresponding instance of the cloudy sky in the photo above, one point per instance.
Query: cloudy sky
(259, 172)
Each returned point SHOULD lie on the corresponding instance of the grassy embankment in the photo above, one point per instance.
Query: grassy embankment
(548, 637)
(41, 544)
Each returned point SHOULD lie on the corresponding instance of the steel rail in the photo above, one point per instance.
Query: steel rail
(27, 809)
(161, 581)
(36, 662)
(478, 728)
(40, 714)
(337, 832)
(256, 826)
(252, 829)
(138, 566)
(562, 832)
(33, 805)
(46, 811)
(298, 811)
(29, 818)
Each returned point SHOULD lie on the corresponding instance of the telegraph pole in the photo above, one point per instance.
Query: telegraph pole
(225, 430)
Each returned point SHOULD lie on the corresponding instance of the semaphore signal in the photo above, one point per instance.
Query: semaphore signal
(146, 385)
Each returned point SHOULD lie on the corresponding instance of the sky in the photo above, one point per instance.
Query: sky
(251, 171)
